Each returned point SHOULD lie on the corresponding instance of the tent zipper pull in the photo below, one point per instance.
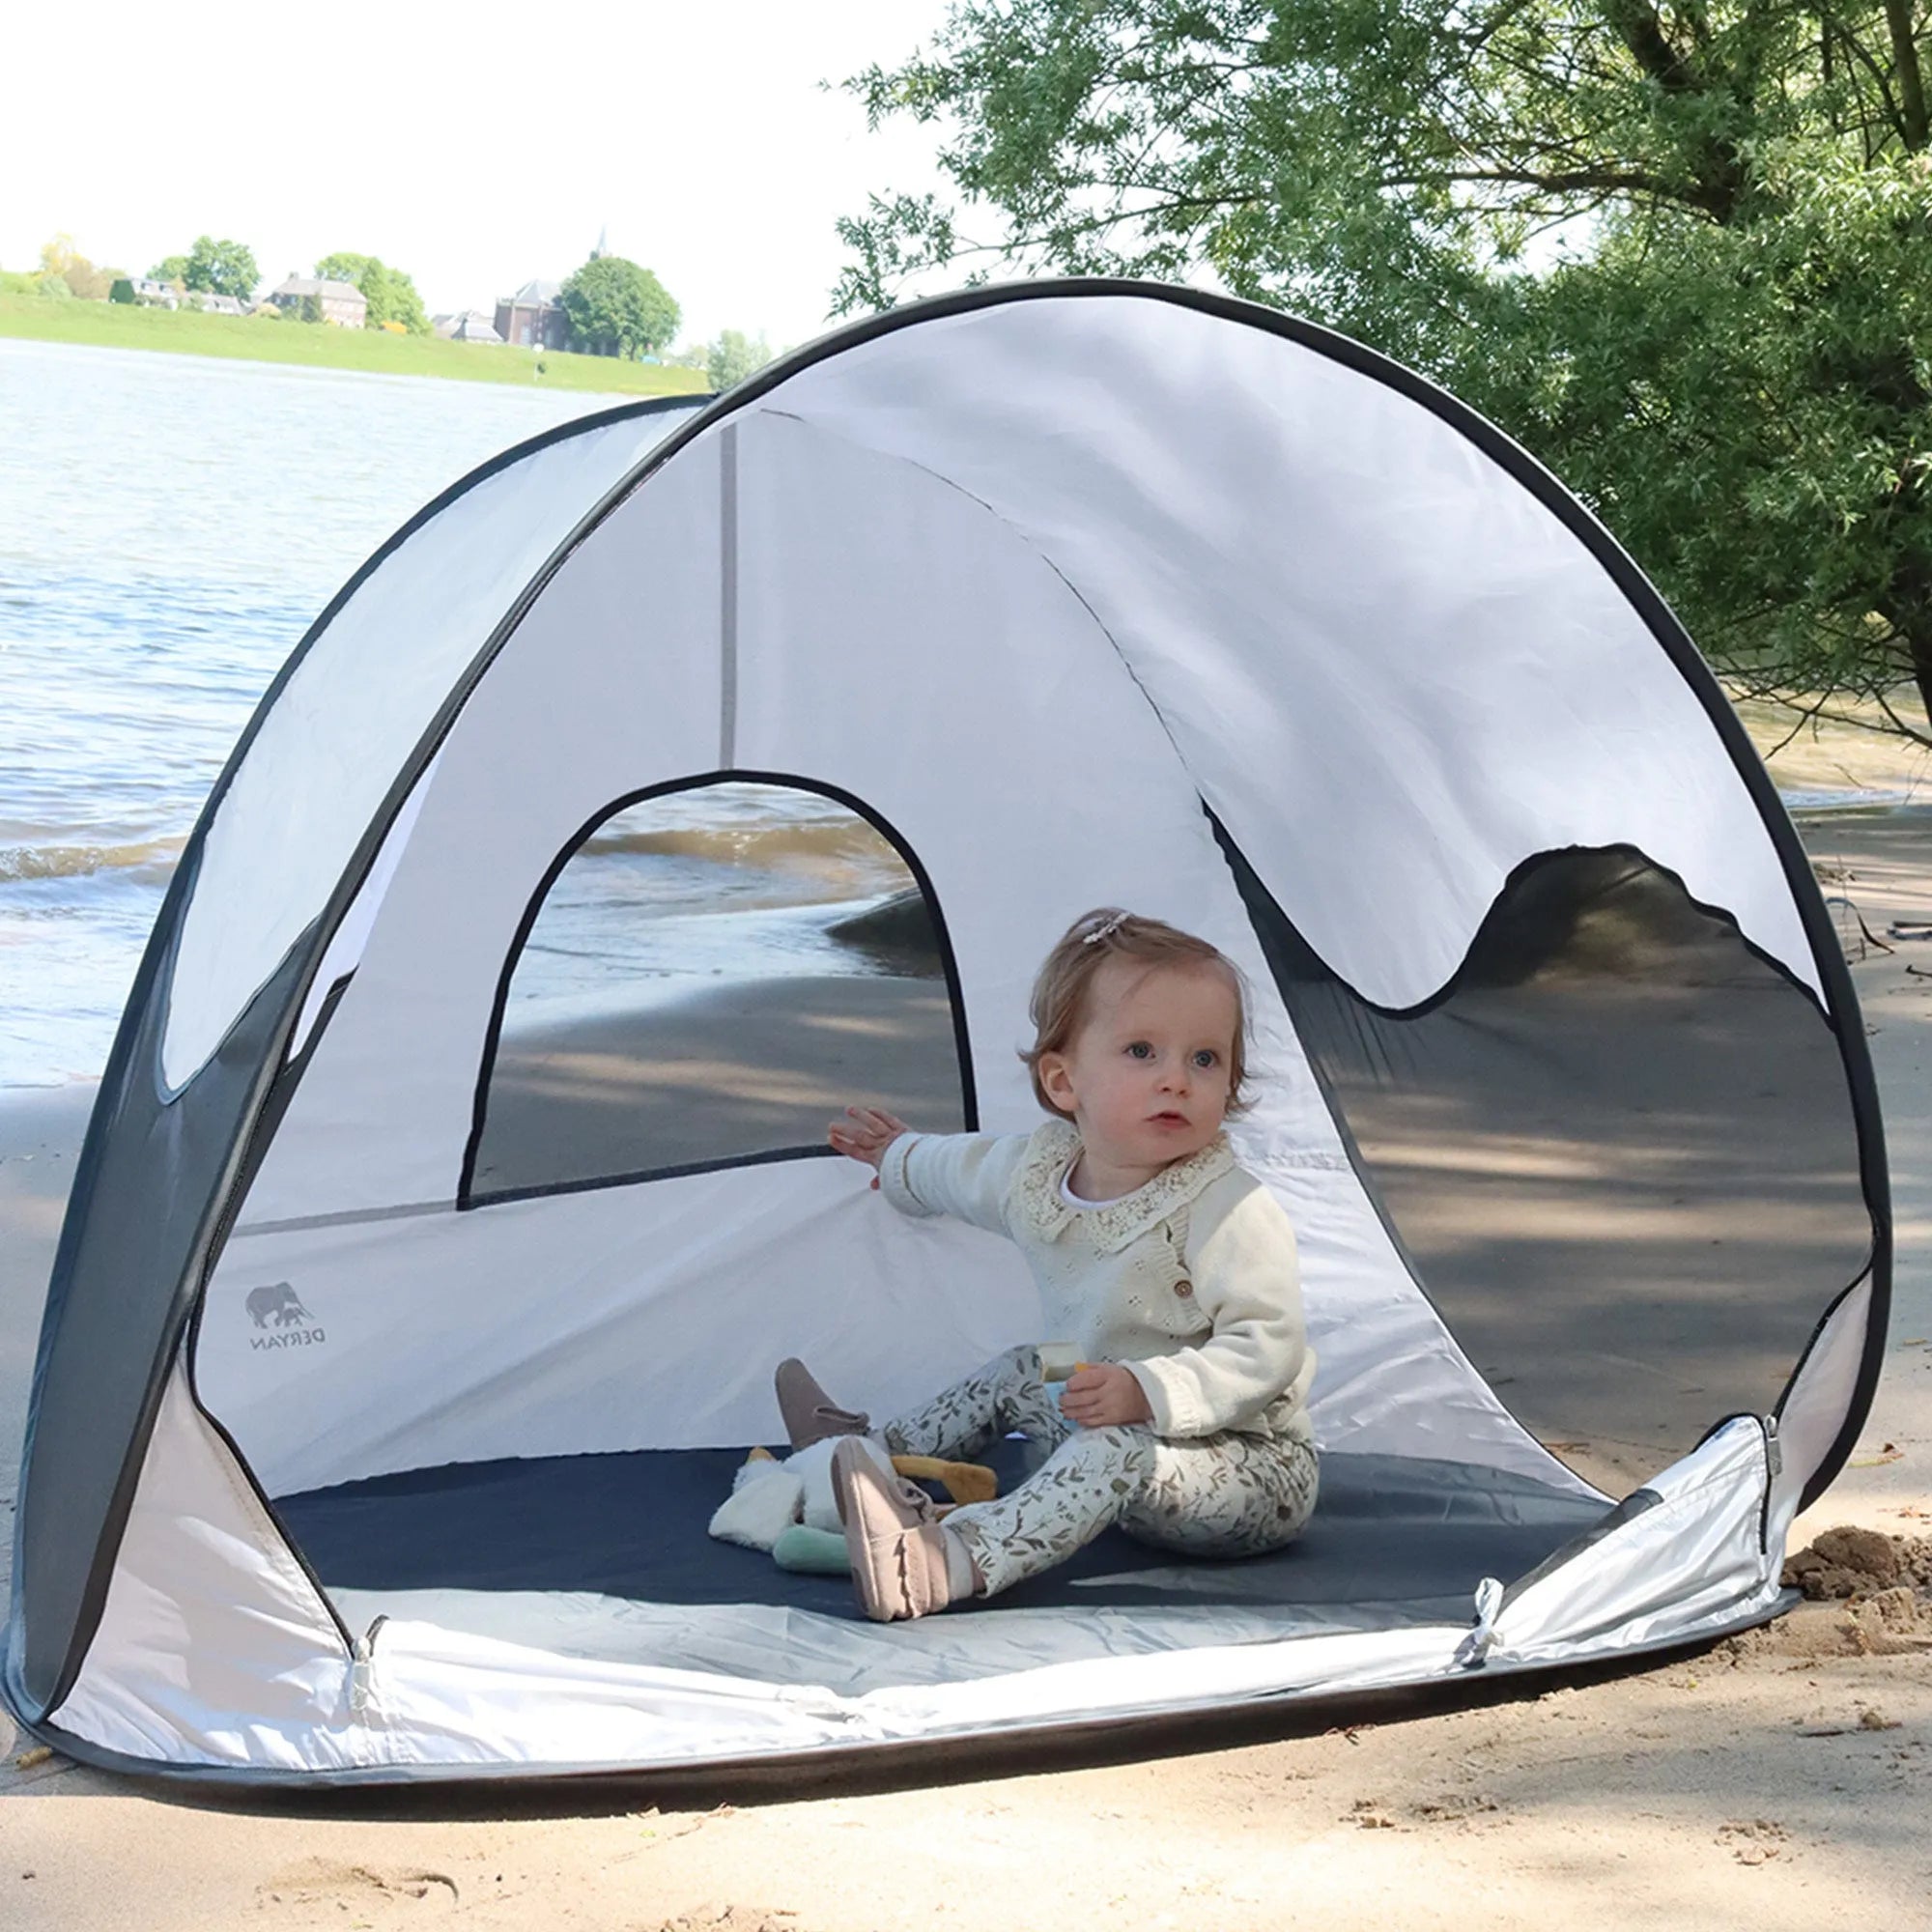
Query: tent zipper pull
(358, 1679)
(1773, 1449)
(1474, 1649)
(362, 1661)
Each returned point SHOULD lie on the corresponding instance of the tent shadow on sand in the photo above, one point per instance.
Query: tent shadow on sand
(753, 1065)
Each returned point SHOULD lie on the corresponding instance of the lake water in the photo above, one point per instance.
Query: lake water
(169, 529)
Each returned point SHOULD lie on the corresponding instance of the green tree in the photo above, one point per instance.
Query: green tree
(732, 357)
(170, 269)
(220, 269)
(390, 294)
(1678, 247)
(617, 309)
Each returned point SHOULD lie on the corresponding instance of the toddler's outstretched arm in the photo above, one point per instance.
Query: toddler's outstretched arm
(864, 1134)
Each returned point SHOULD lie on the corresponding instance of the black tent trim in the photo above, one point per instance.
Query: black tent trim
(1195, 1726)
(1277, 933)
(35, 1679)
(1841, 1446)
(263, 1500)
(305, 952)
(1643, 597)
(237, 1084)
(506, 458)
(542, 1190)
(467, 1196)
(1279, 937)
(1526, 868)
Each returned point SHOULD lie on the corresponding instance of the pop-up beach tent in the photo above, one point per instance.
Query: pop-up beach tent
(388, 1379)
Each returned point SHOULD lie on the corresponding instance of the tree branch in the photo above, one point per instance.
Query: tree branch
(1574, 181)
(1898, 723)
(1911, 82)
(1892, 114)
(1637, 25)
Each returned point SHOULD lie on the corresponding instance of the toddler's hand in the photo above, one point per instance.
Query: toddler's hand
(1102, 1395)
(864, 1134)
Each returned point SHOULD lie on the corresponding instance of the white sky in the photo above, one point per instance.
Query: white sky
(472, 145)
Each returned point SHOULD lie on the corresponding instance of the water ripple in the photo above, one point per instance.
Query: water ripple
(169, 528)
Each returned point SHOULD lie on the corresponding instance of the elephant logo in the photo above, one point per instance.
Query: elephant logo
(277, 1307)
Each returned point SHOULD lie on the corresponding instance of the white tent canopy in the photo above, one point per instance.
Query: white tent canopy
(1074, 594)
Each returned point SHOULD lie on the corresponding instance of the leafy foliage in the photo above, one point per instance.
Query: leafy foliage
(62, 263)
(732, 355)
(1681, 248)
(390, 294)
(617, 309)
(170, 269)
(219, 269)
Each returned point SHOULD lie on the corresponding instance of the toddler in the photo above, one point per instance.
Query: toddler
(1168, 1275)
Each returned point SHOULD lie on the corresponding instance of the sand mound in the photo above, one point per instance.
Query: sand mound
(1851, 1562)
(1870, 1596)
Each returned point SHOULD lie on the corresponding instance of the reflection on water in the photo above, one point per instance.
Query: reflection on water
(169, 528)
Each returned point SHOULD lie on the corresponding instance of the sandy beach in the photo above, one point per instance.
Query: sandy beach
(627, 1093)
(1778, 1781)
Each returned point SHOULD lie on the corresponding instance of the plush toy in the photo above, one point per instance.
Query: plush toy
(786, 1507)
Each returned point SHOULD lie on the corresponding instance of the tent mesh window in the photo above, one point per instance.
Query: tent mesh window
(628, 996)
(1617, 1148)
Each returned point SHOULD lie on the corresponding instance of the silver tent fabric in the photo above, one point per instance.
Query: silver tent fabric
(1043, 581)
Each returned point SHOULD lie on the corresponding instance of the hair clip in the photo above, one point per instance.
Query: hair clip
(1106, 929)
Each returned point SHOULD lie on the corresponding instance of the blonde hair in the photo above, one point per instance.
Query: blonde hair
(1060, 991)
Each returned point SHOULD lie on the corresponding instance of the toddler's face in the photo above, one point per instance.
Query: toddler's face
(1146, 1073)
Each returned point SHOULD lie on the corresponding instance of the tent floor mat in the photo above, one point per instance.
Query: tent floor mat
(1394, 1541)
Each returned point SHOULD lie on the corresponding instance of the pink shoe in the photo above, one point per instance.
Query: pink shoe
(892, 1537)
(809, 1414)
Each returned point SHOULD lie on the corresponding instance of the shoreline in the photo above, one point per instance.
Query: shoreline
(1814, 819)
(320, 346)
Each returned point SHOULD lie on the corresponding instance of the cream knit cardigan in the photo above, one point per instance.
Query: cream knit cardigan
(1190, 1281)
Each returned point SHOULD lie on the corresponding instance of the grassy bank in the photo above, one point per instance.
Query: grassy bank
(318, 346)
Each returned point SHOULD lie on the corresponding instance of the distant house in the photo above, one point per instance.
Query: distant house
(470, 324)
(151, 294)
(340, 302)
(534, 317)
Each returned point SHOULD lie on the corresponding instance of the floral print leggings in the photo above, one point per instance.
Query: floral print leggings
(1229, 1494)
